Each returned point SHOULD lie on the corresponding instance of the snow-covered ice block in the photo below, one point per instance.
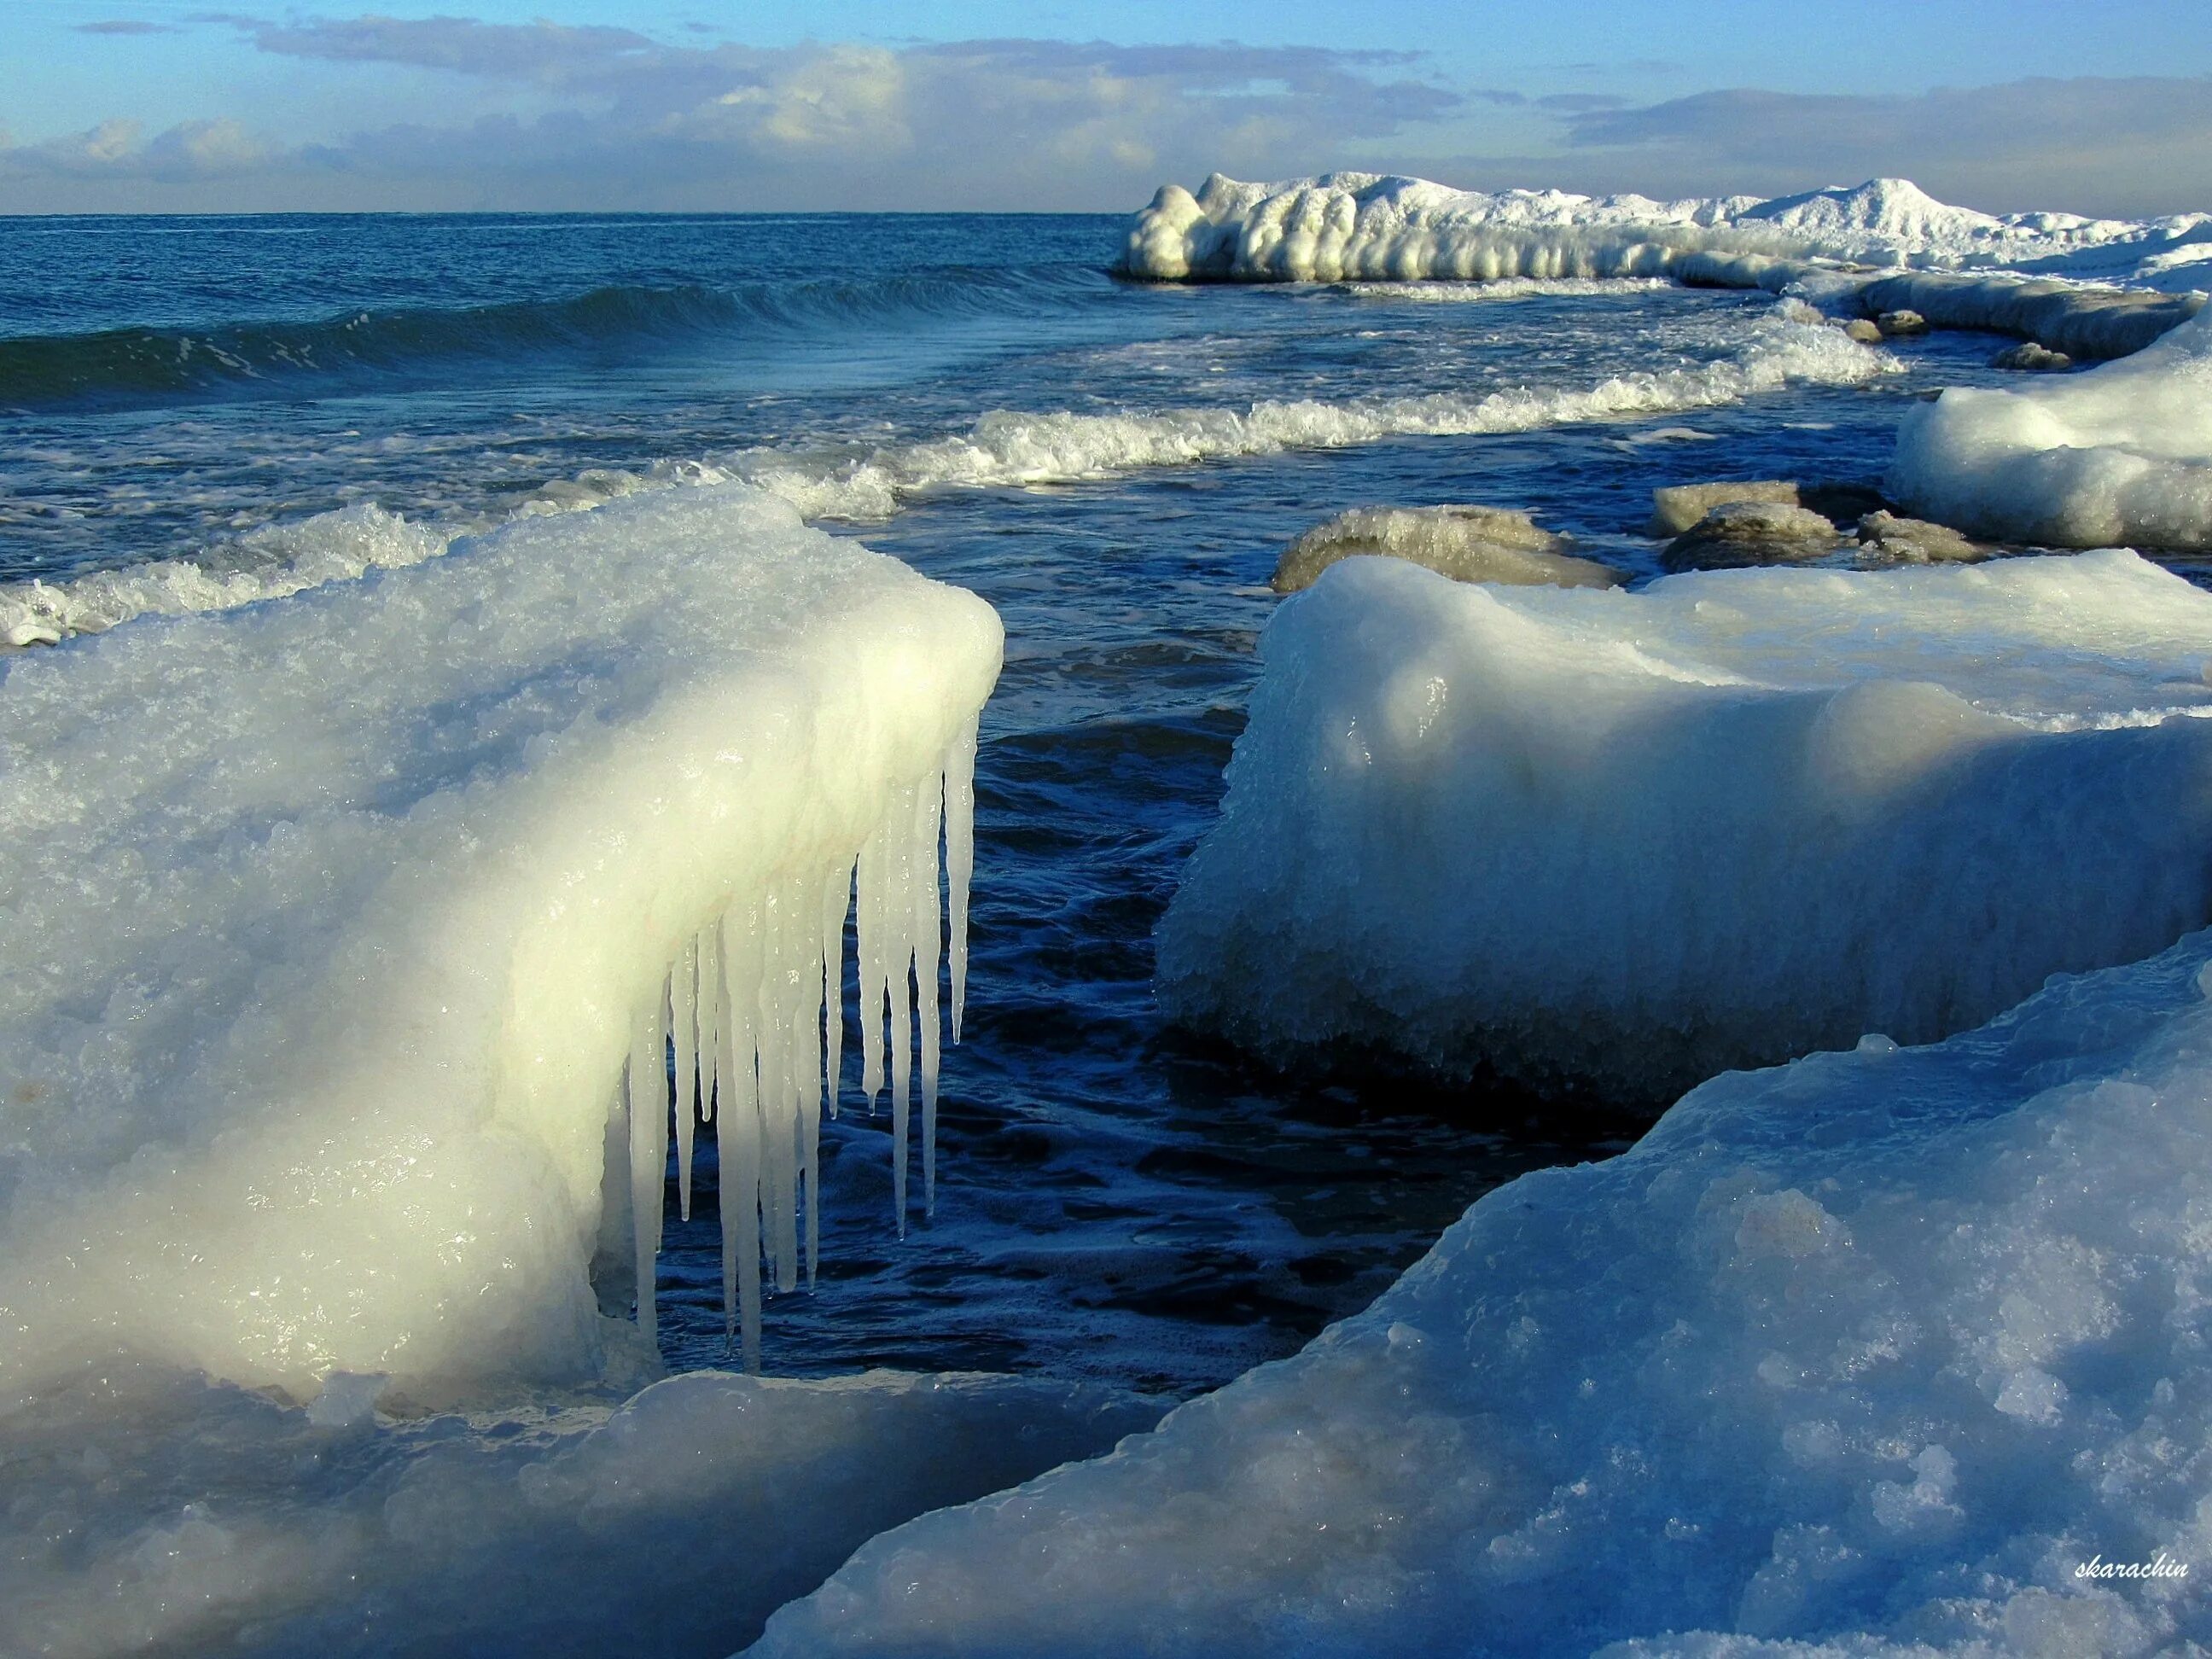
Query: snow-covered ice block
(337, 930)
(1630, 839)
(1881, 1346)
(213, 1519)
(2122, 453)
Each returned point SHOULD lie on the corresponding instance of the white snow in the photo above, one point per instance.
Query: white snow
(1365, 226)
(1586, 836)
(2122, 453)
(336, 923)
(1869, 1354)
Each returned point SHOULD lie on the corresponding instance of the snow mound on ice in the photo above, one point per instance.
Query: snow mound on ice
(1891, 216)
(1585, 835)
(2122, 453)
(333, 926)
(1879, 1347)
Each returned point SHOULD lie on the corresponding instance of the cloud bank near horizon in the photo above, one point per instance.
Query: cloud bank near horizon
(546, 115)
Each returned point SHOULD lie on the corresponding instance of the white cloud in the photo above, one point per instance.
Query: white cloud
(547, 116)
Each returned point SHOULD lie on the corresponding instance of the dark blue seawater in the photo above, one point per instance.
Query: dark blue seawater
(1117, 1201)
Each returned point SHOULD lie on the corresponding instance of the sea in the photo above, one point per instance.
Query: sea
(1116, 467)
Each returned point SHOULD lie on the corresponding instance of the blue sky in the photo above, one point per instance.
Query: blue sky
(774, 105)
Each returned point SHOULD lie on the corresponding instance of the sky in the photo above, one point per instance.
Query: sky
(2099, 107)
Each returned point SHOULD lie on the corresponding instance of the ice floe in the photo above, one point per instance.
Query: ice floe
(1885, 1351)
(2121, 453)
(1628, 838)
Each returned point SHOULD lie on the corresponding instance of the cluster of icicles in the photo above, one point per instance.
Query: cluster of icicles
(752, 1015)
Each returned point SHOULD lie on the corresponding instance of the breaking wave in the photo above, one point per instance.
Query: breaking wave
(1005, 449)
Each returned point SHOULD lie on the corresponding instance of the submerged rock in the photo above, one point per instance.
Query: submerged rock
(2032, 357)
(1890, 539)
(1739, 533)
(1467, 544)
(1677, 507)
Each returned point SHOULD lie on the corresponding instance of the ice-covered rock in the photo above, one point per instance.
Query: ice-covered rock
(1675, 507)
(1467, 544)
(1738, 533)
(1885, 1352)
(1897, 324)
(1578, 836)
(2119, 454)
(338, 930)
(2032, 357)
(1889, 539)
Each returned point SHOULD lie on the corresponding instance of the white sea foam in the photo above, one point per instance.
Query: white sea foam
(1005, 449)
(266, 563)
(1506, 288)
(2122, 453)
(1864, 1355)
(1008, 448)
(335, 926)
(1635, 838)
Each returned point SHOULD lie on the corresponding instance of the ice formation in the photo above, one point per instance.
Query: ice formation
(2082, 322)
(174, 1517)
(2052, 271)
(1869, 1354)
(1578, 835)
(2121, 453)
(1467, 544)
(334, 926)
(1356, 225)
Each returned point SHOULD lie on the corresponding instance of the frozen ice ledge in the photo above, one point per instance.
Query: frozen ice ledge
(1827, 244)
(1587, 837)
(341, 932)
(1870, 1354)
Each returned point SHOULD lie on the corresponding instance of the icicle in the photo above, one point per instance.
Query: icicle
(899, 932)
(648, 1154)
(927, 918)
(959, 862)
(874, 976)
(751, 1023)
(740, 1129)
(836, 905)
(776, 1100)
(711, 1066)
(836, 901)
(684, 1023)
